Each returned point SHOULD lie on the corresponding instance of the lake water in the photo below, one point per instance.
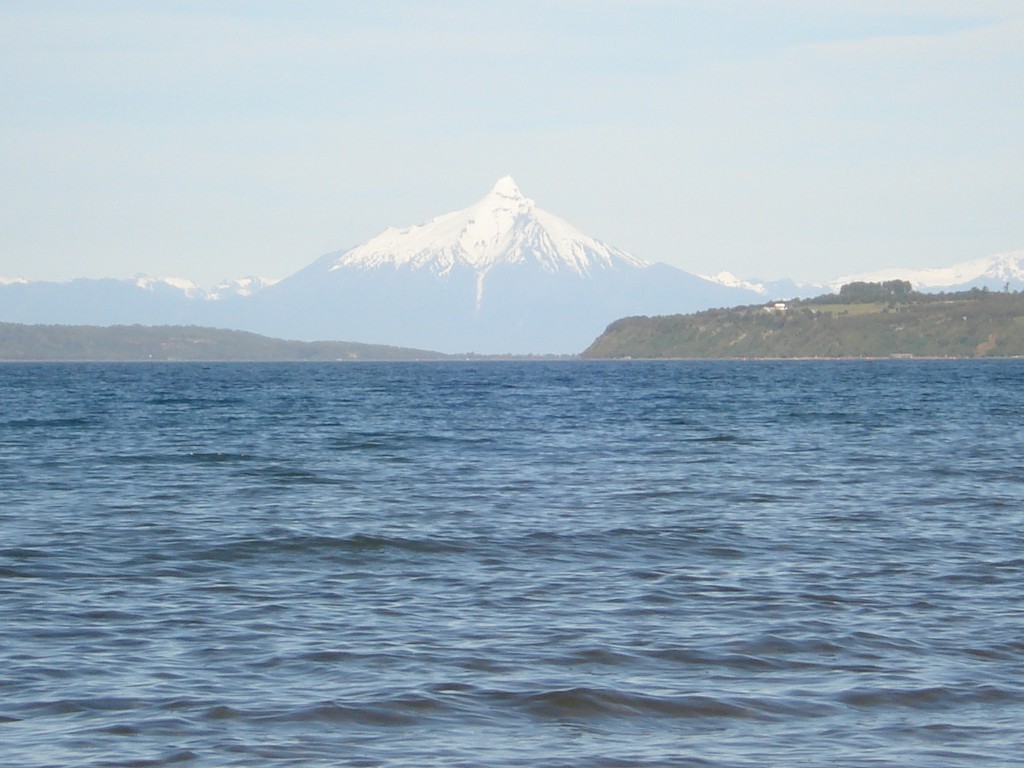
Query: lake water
(512, 564)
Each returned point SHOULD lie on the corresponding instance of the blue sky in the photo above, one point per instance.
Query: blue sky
(800, 138)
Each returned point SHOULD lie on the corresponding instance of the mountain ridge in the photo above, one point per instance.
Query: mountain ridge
(995, 272)
(998, 271)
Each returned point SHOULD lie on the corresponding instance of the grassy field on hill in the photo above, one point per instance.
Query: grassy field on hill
(868, 320)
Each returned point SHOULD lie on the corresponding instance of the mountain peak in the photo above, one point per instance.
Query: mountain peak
(503, 227)
(506, 187)
(502, 205)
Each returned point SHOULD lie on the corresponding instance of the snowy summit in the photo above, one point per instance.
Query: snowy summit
(504, 227)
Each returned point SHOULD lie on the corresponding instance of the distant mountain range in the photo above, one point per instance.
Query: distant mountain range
(1004, 271)
(999, 272)
(501, 276)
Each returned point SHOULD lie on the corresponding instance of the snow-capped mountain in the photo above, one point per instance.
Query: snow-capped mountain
(769, 289)
(186, 287)
(143, 299)
(730, 280)
(499, 276)
(993, 272)
(243, 286)
(1003, 270)
(504, 227)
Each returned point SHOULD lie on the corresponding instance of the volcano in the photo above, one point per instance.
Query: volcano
(501, 276)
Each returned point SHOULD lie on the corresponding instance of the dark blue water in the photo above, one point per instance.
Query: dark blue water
(512, 564)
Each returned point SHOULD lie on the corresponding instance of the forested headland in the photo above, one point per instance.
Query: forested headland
(887, 319)
(136, 342)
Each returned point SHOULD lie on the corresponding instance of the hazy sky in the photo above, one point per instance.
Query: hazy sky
(219, 138)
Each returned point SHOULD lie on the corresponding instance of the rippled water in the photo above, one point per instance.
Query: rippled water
(512, 564)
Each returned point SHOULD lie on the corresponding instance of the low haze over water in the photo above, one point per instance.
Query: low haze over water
(512, 564)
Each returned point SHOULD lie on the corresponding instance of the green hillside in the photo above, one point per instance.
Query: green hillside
(863, 320)
(136, 342)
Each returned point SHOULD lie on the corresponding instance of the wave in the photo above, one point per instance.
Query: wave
(595, 703)
(248, 548)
